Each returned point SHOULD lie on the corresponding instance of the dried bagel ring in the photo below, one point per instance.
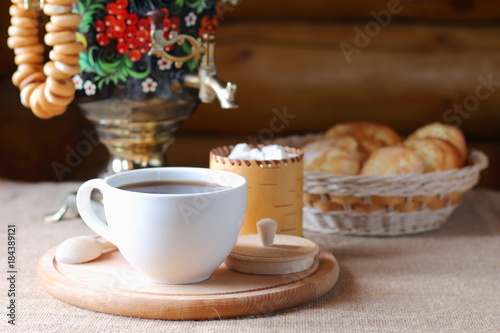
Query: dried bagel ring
(24, 21)
(21, 31)
(20, 41)
(34, 77)
(38, 110)
(28, 58)
(51, 27)
(57, 100)
(61, 2)
(70, 21)
(67, 59)
(26, 93)
(51, 9)
(35, 67)
(21, 12)
(69, 48)
(61, 37)
(35, 48)
(49, 107)
(22, 73)
(50, 70)
(35, 103)
(67, 69)
(62, 88)
(30, 67)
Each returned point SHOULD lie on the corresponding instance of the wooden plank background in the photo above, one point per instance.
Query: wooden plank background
(407, 76)
(431, 56)
(421, 10)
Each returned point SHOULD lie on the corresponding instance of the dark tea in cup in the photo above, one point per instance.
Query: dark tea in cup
(173, 187)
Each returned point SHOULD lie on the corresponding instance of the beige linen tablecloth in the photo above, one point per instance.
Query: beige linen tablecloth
(442, 281)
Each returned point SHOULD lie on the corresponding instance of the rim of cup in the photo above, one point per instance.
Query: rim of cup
(230, 181)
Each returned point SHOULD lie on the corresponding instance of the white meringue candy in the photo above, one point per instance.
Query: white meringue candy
(239, 152)
(242, 151)
(275, 152)
(256, 154)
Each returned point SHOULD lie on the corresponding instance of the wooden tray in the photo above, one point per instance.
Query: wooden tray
(110, 285)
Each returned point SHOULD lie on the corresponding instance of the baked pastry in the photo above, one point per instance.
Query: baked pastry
(369, 135)
(446, 132)
(437, 154)
(393, 161)
(319, 156)
(347, 143)
(357, 148)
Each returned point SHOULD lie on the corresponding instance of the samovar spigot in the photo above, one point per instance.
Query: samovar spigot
(210, 85)
(206, 80)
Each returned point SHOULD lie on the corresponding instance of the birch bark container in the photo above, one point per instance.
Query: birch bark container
(274, 189)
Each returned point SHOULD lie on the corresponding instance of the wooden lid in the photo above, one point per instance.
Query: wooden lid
(285, 248)
(284, 254)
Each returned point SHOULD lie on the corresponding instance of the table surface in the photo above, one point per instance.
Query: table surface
(446, 280)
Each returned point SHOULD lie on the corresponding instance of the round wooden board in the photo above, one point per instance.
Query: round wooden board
(110, 285)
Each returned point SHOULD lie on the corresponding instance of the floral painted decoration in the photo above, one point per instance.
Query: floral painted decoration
(117, 38)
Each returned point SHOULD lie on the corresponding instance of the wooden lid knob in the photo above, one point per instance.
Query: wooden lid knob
(267, 231)
(271, 254)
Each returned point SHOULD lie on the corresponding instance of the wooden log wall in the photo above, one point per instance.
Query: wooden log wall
(312, 63)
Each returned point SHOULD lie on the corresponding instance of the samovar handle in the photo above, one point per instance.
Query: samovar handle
(158, 42)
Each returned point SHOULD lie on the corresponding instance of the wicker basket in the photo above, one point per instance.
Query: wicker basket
(384, 205)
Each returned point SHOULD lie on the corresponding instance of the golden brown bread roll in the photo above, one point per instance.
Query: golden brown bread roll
(445, 132)
(392, 161)
(369, 135)
(333, 160)
(437, 154)
(347, 143)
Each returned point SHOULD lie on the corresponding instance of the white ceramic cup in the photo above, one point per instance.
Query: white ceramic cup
(169, 238)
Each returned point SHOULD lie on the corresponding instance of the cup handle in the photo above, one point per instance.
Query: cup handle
(83, 202)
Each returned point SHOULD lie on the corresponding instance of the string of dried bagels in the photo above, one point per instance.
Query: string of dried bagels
(47, 89)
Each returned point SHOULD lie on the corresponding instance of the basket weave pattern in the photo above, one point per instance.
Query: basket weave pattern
(396, 205)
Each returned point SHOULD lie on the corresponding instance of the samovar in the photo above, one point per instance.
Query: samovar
(146, 67)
